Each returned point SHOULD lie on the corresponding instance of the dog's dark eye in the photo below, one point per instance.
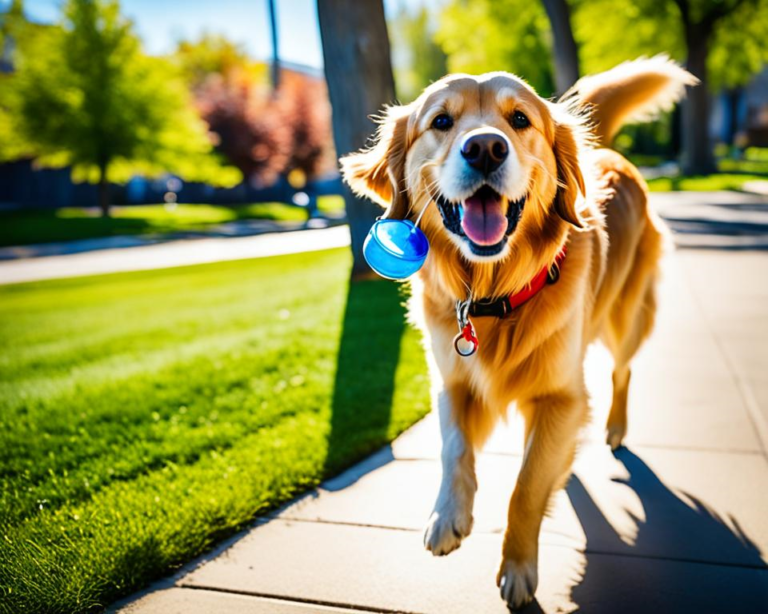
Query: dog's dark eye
(519, 120)
(442, 122)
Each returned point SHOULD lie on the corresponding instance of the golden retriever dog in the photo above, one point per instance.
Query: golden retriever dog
(541, 242)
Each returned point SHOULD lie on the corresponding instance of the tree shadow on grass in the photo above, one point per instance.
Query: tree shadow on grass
(46, 226)
(685, 557)
(369, 351)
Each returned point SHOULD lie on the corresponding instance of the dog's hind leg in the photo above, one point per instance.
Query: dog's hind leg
(629, 325)
(616, 426)
(463, 427)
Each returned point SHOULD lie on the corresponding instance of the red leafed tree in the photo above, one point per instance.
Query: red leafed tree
(247, 128)
(267, 135)
(305, 108)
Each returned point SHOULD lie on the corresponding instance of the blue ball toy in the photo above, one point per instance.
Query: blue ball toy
(395, 249)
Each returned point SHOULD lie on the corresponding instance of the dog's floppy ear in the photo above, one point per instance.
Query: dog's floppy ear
(378, 172)
(569, 178)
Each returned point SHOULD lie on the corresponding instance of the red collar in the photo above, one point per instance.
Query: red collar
(503, 306)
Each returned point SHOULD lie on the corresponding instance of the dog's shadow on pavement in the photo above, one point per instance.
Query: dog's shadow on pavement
(685, 557)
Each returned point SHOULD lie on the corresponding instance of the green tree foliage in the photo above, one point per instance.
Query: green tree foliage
(417, 59)
(611, 31)
(88, 97)
(213, 54)
(739, 46)
(16, 34)
(488, 35)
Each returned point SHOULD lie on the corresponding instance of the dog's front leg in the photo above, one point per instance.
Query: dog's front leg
(451, 520)
(551, 423)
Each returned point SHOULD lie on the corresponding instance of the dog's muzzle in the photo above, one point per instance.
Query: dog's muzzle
(452, 214)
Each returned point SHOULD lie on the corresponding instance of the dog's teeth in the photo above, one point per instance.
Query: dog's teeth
(451, 214)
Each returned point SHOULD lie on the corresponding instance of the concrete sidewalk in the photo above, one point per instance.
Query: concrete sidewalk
(226, 230)
(676, 522)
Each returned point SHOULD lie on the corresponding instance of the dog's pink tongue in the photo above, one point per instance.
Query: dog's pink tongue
(484, 222)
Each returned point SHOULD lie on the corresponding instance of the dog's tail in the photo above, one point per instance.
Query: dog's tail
(631, 92)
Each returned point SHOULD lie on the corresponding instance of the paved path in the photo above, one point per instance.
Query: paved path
(171, 254)
(236, 228)
(676, 522)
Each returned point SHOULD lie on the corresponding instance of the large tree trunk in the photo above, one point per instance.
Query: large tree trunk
(698, 158)
(103, 189)
(359, 74)
(566, 52)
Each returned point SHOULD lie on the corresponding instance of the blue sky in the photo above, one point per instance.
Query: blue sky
(160, 23)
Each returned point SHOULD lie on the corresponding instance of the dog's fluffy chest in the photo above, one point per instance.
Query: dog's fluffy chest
(510, 363)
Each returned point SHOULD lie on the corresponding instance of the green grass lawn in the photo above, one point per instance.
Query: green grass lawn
(143, 416)
(706, 183)
(732, 175)
(44, 226)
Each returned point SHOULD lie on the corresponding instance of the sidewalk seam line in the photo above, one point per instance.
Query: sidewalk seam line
(359, 525)
(302, 600)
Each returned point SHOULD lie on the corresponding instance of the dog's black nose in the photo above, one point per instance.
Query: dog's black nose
(485, 150)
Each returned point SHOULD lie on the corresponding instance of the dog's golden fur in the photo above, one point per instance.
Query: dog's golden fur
(588, 198)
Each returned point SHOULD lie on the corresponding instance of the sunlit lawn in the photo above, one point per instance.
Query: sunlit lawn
(705, 183)
(143, 416)
(44, 226)
(732, 175)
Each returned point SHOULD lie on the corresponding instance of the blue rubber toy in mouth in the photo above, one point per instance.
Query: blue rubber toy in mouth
(395, 249)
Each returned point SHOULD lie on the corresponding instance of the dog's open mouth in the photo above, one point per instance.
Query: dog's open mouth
(480, 219)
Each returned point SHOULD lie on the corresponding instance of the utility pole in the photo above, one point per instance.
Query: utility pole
(275, 55)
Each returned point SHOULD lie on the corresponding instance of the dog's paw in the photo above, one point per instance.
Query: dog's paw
(445, 530)
(614, 435)
(517, 583)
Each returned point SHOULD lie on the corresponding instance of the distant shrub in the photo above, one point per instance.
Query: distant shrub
(307, 111)
(266, 134)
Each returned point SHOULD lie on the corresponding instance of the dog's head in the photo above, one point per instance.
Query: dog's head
(500, 162)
